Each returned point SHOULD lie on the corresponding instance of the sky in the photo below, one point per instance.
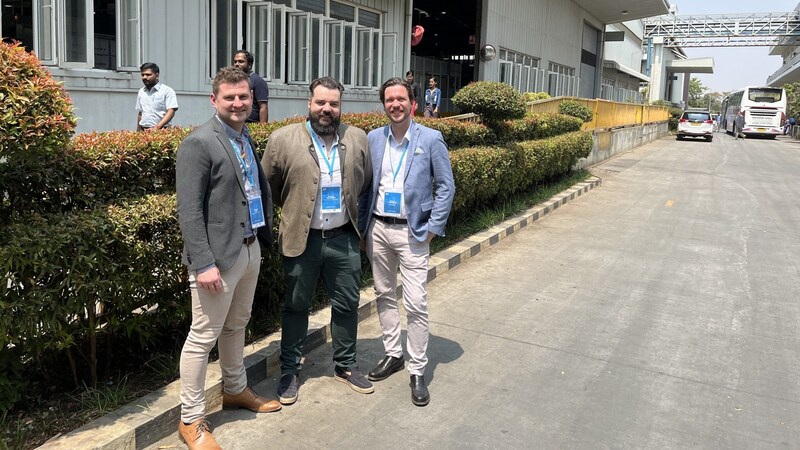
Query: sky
(734, 67)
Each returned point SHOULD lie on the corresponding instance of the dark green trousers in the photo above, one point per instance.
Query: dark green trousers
(337, 261)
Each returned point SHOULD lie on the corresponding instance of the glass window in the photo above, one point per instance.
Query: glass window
(128, 44)
(298, 47)
(276, 44)
(314, 6)
(389, 56)
(17, 23)
(316, 46)
(224, 40)
(347, 63)
(333, 55)
(343, 12)
(364, 56)
(369, 19)
(76, 33)
(376, 49)
(45, 36)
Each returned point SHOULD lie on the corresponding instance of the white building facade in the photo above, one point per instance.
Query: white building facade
(95, 48)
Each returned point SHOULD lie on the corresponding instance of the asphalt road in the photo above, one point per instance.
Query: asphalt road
(657, 311)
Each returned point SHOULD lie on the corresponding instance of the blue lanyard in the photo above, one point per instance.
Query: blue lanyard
(318, 146)
(400, 163)
(248, 153)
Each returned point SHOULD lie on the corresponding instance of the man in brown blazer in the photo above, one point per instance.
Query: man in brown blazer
(317, 170)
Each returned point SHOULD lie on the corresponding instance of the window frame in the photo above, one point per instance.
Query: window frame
(88, 35)
(122, 38)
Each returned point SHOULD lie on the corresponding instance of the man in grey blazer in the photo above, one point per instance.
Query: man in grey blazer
(225, 214)
(317, 170)
(407, 206)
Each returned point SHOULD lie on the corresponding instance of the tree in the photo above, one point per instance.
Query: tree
(713, 101)
(792, 99)
(696, 90)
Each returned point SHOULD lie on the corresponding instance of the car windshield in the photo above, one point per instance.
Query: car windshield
(696, 116)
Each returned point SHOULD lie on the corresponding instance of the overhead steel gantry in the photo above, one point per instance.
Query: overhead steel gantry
(725, 30)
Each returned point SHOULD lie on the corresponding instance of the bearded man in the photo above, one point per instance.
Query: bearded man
(317, 170)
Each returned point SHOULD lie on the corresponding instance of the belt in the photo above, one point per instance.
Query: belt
(391, 220)
(333, 232)
(248, 241)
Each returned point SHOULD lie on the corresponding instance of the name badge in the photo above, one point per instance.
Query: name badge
(392, 203)
(332, 198)
(256, 210)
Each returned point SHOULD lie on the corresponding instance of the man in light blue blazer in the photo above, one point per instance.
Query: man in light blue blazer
(406, 207)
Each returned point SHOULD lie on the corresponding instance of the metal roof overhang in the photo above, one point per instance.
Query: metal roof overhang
(696, 65)
(613, 11)
(626, 70)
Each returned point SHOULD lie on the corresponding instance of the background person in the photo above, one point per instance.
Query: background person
(317, 170)
(407, 206)
(244, 60)
(156, 102)
(433, 97)
(225, 212)
(414, 90)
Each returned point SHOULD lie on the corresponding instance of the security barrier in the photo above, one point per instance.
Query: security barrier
(606, 114)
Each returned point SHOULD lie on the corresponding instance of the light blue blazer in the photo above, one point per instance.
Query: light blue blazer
(428, 186)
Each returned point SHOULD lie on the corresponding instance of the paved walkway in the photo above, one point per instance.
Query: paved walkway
(146, 422)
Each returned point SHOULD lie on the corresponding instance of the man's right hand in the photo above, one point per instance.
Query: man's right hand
(210, 280)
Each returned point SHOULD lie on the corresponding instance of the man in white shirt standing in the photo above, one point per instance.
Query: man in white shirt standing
(156, 102)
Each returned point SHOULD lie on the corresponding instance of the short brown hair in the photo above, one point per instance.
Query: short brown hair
(229, 75)
(395, 81)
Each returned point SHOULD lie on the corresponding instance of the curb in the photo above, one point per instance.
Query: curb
(148, 419)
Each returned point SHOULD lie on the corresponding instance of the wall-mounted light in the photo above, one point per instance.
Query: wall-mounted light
(624, 12)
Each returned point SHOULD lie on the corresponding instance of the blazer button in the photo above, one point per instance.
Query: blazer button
(244, 203)
(242, 224)
(315, 181)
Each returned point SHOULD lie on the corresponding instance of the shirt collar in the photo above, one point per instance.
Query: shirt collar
(233, 134)
(406, 137)
(155, 88)
(317, 138)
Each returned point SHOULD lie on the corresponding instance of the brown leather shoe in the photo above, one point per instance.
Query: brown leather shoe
(197, 435)
(250, 400)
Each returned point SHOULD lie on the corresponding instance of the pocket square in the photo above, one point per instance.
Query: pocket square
(419, 151)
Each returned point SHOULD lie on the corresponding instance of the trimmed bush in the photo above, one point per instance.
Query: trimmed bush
(534, 96)
(536, 126)
(494, 101)
(35, 112)
(575, 109)
(494, 173)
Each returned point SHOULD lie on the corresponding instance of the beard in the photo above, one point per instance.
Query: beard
(323, 130)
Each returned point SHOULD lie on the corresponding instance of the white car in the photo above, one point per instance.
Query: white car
(696, 124)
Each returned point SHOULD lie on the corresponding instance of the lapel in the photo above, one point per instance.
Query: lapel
(378, 150)
(412, 148)
(222, 137)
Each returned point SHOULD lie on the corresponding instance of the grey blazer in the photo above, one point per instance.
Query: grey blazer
(212, 206)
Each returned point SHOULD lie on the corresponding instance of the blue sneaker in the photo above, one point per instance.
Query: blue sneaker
(355, 379)
(287, 389)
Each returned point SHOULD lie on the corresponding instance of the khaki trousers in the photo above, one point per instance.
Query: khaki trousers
(218, 317)
(390, 247)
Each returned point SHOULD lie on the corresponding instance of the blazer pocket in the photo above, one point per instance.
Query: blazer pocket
(427, 206)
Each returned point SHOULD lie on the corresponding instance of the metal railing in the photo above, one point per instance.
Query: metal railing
(606, 114)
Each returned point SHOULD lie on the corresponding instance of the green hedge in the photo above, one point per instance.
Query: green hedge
(494, 101)
(494, 174)
(122, 259)
(536, 126)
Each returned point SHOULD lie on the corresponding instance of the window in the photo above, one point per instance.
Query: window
(99, 34)
(295, 41)
(519, 70)
(561, 80)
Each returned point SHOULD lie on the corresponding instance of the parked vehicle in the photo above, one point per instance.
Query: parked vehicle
(696, 124)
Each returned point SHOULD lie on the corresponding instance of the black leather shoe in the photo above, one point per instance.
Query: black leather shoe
(386, 367)
(419, 392)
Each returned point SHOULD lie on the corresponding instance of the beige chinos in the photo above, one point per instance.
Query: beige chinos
(391, 247)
